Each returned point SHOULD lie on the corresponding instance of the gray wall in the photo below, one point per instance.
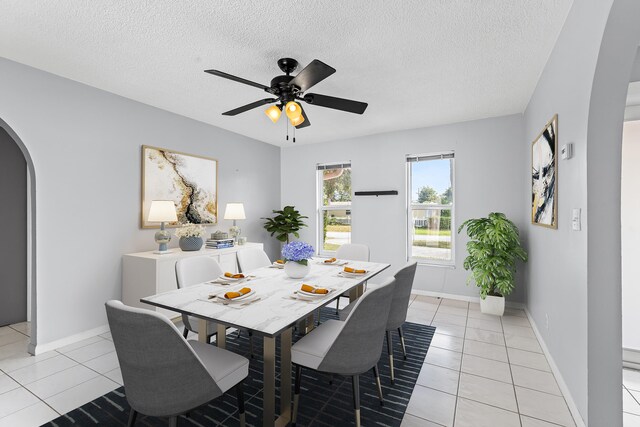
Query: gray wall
(85, 146)
(13, 244)
(489, 177)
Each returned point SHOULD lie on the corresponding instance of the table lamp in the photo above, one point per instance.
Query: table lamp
(162, 211)
(234, 211)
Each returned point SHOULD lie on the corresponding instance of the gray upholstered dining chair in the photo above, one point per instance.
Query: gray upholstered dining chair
(165, 375)
(398, 313)
(252, 259)
(350, 347)
(354, 252)
(189, 272)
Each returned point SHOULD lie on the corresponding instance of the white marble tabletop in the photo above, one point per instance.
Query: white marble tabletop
(273, 308)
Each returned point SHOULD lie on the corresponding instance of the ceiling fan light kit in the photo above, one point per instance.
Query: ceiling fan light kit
(288, 90)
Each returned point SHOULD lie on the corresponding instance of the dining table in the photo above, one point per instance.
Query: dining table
(273, 307)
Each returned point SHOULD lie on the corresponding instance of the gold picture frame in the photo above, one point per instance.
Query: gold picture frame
(189, 180)
(544, 176)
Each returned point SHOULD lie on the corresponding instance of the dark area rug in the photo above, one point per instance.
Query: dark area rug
(321, 403)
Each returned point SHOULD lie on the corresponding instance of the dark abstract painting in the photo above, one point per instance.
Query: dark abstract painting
(544, 176)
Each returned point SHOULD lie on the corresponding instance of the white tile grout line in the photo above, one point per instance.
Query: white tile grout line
(513, 382)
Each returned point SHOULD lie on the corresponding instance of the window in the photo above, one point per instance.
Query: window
(334, 206)
(430, 208)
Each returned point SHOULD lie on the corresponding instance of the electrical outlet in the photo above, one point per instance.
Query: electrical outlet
(546, 320)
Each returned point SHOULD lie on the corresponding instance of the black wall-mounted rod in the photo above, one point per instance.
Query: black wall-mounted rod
(377, 193)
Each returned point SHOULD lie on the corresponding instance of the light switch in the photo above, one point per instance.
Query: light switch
(575, 220)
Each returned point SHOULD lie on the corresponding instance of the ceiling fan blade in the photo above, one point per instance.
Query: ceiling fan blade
(348, 105)
(248, 107)
(238, 79)
(306, 120)
(313, 73)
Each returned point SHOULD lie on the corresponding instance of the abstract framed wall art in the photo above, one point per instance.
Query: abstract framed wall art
(190, 181)
(544, 176)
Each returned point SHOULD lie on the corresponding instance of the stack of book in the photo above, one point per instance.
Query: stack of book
(219, 244)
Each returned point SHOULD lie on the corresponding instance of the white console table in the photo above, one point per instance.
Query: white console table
(146, 273)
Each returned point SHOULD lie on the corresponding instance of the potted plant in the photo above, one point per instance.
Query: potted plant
(287, 221)
(494, 247)
(296, 259)
(191, 236)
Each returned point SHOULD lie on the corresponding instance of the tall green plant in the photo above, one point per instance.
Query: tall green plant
(494, 247)
(287, 221)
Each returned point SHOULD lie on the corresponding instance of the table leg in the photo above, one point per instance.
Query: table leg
(202, 331)
(285, 377)
(269, 390)
(221, 336)
(356, 293)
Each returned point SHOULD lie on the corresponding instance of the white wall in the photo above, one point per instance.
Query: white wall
(489, 177)
(85, 146)
(630, 212)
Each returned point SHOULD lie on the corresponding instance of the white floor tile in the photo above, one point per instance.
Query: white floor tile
(544, 406)
(79, 344)
(15, 400)
(488, 325)
(446, 329)
(521, 331)
(522, 343)
(518, 312)
(23, 328)
(482, 367)
(81, 394)
(474, 306)
(482, 316)
(424, 306)
(535, 379)
(34, 415)
(91, 351)
(450, 319)
(6, 383)
(61, 381)
(534, 422)
(631, 379)
(439, 378)
(421, 317)
(412, 421)
(432, 405)
(42, 369)
(488, 351)
(475, 414)
(105, 363)
(5, 330)
(445, 358)
(490, 337)
(491, 392)
(528, 359)
(24, 359)
(17, 348)
(629, 402)
(630, 420)
(448, 342)
(454, 303)
(427, 299)
(447, 309)
(115, 375)
(12, 337)
(515, 320)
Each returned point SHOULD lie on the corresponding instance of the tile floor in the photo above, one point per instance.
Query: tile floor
(480, 371)
(631, 398)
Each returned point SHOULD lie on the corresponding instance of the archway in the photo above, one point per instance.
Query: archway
(604, 149)
(31, 232)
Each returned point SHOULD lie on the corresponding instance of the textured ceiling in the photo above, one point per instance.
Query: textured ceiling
(416, 62)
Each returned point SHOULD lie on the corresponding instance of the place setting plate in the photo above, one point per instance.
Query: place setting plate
(335, 262)
(352, 275)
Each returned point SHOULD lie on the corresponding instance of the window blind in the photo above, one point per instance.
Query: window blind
(430, 157)
(334, 166)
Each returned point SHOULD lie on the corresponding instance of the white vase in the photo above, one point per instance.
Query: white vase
(296, 270)
(492, 305)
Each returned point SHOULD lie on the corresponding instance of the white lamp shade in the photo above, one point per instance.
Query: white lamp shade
(234, 211)
(162, 211)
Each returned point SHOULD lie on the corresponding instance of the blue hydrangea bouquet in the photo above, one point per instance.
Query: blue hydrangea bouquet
(296, 251)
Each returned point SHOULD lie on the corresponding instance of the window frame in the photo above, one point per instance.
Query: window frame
(410, 207)
(321, 209)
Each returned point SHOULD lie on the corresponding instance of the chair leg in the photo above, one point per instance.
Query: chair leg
(338, 305)
(185, 333)
(376, 374)
(404, 349)
(356, 398)
(173, 421)
(240, 395)
(132, 417)
(296, 395)
(390, 350)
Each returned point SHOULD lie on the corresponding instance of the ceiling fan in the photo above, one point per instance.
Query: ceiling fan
(289, 89)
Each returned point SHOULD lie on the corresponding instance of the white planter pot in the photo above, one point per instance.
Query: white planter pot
(492, 305)
(296, 270)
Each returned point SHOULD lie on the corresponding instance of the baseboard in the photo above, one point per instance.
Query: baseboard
(630, 358)
(53, 345)
(510, 304)
(573, 408)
